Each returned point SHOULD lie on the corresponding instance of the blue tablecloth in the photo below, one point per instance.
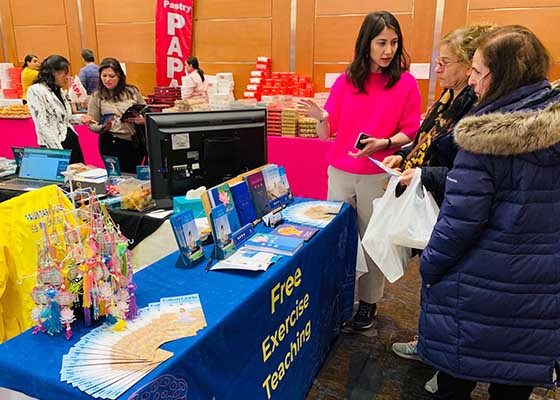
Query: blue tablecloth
(247, 351)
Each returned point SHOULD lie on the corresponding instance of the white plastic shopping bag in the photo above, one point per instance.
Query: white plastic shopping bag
(416, 217)
(390, 258)
(361, 265)
(77, 92)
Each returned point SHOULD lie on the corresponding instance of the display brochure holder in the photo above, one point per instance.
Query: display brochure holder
(236, 240)
(112, 165)
(188, 239)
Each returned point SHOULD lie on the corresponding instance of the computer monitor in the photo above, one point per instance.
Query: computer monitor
(192, 149)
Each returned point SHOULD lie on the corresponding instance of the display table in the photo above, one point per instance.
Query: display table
(305, 161)
(266, 336)
(21, 132)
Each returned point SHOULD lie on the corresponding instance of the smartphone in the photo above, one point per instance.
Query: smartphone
(359, 145)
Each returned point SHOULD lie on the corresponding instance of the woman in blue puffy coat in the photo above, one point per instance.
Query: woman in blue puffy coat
(491, 271)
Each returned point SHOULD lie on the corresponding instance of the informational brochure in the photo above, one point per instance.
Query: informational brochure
(247, 260)
(109, 360)
(390, 171)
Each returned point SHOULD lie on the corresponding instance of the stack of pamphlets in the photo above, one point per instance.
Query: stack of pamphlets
(275, 244)
(247, 260)
(109, 360)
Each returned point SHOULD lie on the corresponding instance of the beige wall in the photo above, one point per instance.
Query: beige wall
(228, 35)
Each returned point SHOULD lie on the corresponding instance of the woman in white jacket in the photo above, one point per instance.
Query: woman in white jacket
(50, 111)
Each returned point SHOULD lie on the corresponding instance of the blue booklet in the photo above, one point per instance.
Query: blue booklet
(295, 231)
(288, 197)
(188, 239)
(224, 245)
(243, 204)
(221, 194)
(112, 165)
(270, 243)
(259, 196)
(274, 188)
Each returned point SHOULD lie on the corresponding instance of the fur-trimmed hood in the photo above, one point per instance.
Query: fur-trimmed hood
(511, 134)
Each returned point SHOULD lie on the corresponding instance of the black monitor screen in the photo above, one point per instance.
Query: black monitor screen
(192, 149)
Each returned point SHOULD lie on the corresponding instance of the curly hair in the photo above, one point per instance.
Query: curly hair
(49, 66)
(462, 41)
(360, 68)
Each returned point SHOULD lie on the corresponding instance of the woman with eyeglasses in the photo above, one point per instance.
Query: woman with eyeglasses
(491, 271)
(433, 150)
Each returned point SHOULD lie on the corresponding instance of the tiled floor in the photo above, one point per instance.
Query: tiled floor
(363, 367)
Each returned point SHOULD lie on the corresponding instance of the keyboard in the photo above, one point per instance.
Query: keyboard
(30, 183)
(23, 184)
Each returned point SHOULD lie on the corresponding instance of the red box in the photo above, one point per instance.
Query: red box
(253, 88)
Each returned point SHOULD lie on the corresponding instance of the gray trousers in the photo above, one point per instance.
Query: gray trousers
(359, 191)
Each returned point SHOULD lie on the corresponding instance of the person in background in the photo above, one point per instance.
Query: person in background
(89, 74)
(434, 149)
(376, 96)
(51, 112)
(195, 86)
(107, 105)
(29, 73)
(490, 272)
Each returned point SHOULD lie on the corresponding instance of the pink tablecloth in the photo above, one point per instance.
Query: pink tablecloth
(21, 132)
(305, 162)
(304, 159)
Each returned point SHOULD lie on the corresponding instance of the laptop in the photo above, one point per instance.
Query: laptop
(39, 167)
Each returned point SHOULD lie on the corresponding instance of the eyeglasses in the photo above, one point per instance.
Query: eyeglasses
(444, 65)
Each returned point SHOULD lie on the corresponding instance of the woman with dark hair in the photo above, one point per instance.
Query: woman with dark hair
(108, 104)
(51, 112)
(194, 85)
(376, 96)
(490, 273)
(29, 73)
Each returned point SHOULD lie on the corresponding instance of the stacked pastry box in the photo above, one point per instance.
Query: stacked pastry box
(261, 72)
(274, 119)
(10, 81)
(283, 119)
(287, 83)
(163, 96)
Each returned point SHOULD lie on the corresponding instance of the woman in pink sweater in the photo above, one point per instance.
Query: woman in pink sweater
(196, 86)
(376, 96)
